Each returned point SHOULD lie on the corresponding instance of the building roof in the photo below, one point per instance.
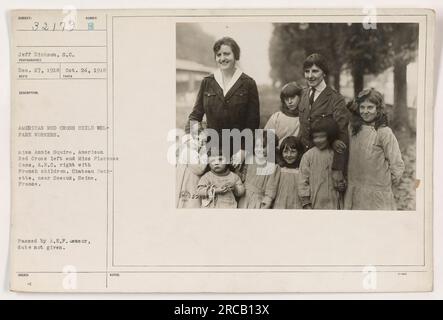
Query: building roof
(189, 65)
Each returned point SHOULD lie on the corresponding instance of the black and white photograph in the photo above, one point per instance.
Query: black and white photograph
(223, 151)
(329, 110)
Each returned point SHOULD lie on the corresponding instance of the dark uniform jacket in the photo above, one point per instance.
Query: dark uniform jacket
(328, 104)
(239, 109)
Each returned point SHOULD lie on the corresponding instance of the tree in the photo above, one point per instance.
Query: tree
(352, 47)
(403, 44)
(365, 53)
(291, 43)
(370, 51)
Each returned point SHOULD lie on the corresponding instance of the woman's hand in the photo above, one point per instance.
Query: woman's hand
(307, 206)
(338, 180)
(238, 159)
(341, 186)
(339, 146)
(265, 205)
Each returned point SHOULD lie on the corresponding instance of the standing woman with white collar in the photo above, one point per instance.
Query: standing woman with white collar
(228, 97)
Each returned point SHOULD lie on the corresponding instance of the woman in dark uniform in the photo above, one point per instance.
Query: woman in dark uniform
(319, 100)
(228, 97)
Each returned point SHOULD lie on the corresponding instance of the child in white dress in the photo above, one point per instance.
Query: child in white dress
(287, 197)
(191, 164)
(316, 186)
(286, 121)
(262, 175)
(375, 161)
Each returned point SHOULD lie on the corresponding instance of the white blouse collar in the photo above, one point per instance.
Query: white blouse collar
(219, 78)
(320, 88)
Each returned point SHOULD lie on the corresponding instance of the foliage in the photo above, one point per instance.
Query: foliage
(345, 46)
(292, 43)
(350, 47)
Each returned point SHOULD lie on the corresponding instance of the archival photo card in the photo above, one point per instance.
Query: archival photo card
(222, 150)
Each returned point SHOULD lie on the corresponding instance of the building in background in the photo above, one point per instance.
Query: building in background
(189, 75)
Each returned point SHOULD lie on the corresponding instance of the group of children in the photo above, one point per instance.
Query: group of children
(298, 179)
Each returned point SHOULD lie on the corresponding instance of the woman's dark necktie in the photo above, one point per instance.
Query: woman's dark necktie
(311, 97)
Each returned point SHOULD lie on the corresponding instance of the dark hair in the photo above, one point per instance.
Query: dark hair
(228, 42)
(325, 124)
(294, 143)
(318, 60)
(290, 89)
(376, 98)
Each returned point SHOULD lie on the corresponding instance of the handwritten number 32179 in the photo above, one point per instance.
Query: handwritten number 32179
(69, 25)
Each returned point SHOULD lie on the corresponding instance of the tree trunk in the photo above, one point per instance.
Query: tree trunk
(336, 80)
(400, 117)
(357, 75)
